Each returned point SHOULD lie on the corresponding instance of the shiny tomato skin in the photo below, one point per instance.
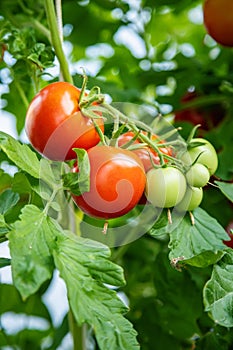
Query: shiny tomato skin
(165, 187)
(191, 200)
(218, 20)
(144, 153)
(198, 175)
(54, 123)
(204, 154)
(117, 182)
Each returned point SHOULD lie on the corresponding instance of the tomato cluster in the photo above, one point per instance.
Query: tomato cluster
(138, 167)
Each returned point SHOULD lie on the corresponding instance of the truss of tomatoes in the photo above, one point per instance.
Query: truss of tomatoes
(138, 166)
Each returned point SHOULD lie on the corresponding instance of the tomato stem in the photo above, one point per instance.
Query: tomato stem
(105, 228)
(169, 216)
(192, 133)
(136, 127)
(78, 332)
(192, 218)
(21, 93)
(99, 131)
(56, 40)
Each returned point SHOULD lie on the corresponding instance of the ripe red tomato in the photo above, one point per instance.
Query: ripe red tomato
(229, 230)
(218, 20)
(144, 153)
(207, 116)
(117, 182)
(54, 123)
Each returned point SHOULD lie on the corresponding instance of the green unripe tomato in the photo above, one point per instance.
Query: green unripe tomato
(191, 200)
(204, 154)
(198, 175)
(165, 187)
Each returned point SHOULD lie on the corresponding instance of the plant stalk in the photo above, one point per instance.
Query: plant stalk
(56, 40)
(78, 333)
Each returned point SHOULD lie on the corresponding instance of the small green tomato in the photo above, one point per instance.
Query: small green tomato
(204, 154)
(165, 187)
(191, 200)
(198, 175)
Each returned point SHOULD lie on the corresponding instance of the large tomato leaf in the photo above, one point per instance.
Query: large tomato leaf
(198, 243)
(36, 240)
(84, 266)
(29, 244)
(226, 189)
(218, 291)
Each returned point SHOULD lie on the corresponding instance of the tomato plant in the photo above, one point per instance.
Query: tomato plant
(117, 182)
(218, 20)
(55, 123)
(165, 187)
(172, 268)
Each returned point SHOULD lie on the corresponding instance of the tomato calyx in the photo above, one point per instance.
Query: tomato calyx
(90, 103)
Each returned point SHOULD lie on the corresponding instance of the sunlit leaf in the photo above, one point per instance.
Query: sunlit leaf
(199, 244)
(30, 243)
(83, 266)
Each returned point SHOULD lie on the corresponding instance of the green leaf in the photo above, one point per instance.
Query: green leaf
(21, 184)
(20, 154)
(26, 160)
(160, 226)
(199, 244)
(30, 242)
(5, 180)
(8, 199)
(226, 189)
(84, 266)
(79, 182)
(4, 262)
(50, 171)
(218, 291)
(3, 226)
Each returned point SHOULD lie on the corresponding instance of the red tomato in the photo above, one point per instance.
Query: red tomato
(144, 153)
(218, 20)
(54, 123)
(229, 230)
(208, 117)
(117, 182)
